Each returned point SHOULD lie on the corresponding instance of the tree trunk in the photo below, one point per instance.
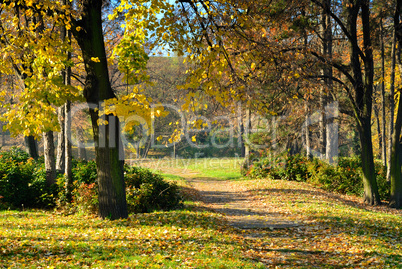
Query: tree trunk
(50, 161)
(364, 95)
(377, 119)
(112, 196)
(82, 153)
(383, 124)
(247, 133)
(241, 132)
(321, 124)
(68, 174)
(307, 130)
(395, 165)
(391, 103)
(32, 146)
(3, 134)
(66, 146)
(60, 159)
(331, 109)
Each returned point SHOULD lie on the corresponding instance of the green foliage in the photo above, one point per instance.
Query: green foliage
(22, 182)
(147, 191)
(345, 178)
(85, 197)
(84, 171)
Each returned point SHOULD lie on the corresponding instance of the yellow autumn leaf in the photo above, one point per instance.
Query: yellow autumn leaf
(95, 59)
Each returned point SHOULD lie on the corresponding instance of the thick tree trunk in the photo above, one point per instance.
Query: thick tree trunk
(371, 195)
(32, 146)
(364, 93)
(395, 165)
(60, 159)
(112, 196)
(50, 161)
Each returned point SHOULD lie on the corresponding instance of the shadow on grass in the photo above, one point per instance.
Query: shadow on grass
(326, 196)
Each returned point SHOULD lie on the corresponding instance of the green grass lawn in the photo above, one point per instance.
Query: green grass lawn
(176, 239)
(336, 232)
(224, 168)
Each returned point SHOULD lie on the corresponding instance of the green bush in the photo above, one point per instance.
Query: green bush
(85, 197)
(84, 171)
(22, 182)
(344, 178)
(147, 191)
(260, 167)
(296, 168)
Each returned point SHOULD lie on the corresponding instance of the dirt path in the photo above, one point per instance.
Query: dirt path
(237, 204)
(232, 199)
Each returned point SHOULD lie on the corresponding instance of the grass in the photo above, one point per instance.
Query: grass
(224, 168)
(176, 239)
(337, 231)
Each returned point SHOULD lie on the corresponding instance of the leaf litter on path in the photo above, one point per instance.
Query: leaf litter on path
(294, 225)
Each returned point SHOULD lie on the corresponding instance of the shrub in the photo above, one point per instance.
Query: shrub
(84, 171)
(344, 178)
(85, 197)
(296, 168)
(147, 191)
(22, 182)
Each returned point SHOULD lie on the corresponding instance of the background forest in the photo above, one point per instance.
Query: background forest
(265, 80)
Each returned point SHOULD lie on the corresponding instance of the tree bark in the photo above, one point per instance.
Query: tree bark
(32, 146)
(68, 174)
(307, 130)
(241, 131)
(364, 93)
(50, 161)
(112, 196)
(383, 115)
(60, 159)
(379, 131)
(395, 165)
(331, 127)
(82, 153)
(392, 101)
(247, 133)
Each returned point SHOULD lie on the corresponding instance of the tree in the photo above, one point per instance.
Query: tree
(88, 33)
(260, 44)
(396, 158)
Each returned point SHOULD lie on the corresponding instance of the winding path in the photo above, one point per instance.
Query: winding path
(237, 204)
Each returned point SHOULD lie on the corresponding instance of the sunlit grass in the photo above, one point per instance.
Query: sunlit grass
(335, 230)
(177, 239)
(219, 168)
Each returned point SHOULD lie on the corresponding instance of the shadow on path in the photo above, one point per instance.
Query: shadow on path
(236, 205)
